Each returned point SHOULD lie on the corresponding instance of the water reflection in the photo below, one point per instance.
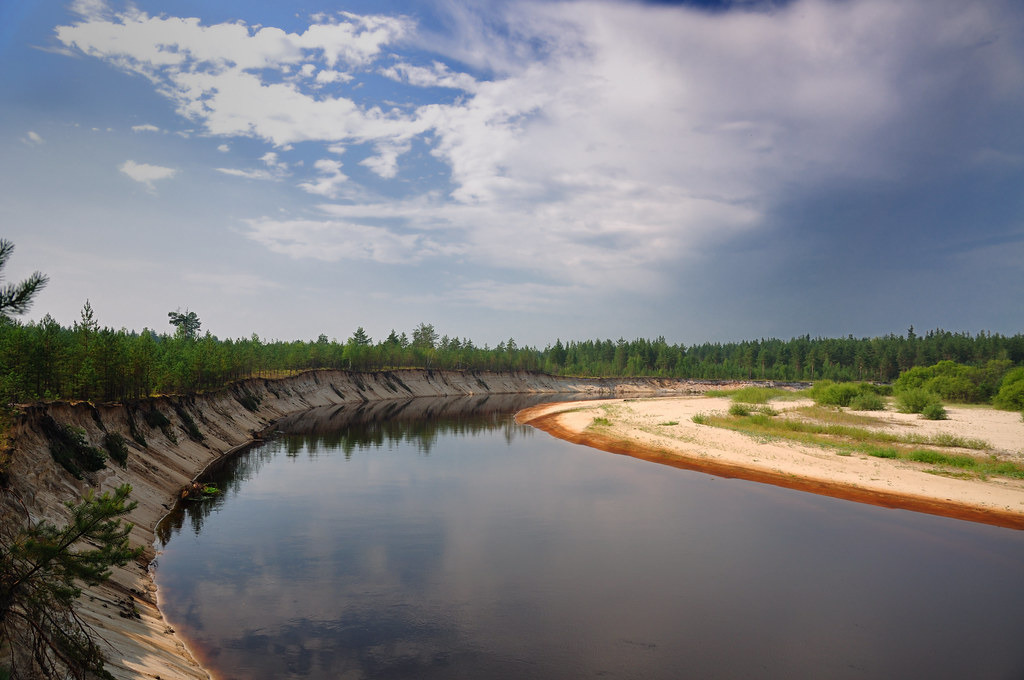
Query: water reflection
(364, 426)
(464, 546)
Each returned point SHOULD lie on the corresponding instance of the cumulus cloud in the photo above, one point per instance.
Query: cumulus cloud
(593, 142)
(145, 128)
(385, 163)
(214, 73)
(32, 138)
(146, 174)
(330, 179)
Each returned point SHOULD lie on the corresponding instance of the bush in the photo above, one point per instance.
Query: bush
(954, 388)
(836, 394)
(189, 423)
(155, 418)
(117, 448)
(739, 409)
(1011, 391)
(935, 412)
(71, 449)
(868, 401)
(915, 400)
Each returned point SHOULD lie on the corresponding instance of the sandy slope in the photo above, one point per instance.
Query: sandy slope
(639, 427)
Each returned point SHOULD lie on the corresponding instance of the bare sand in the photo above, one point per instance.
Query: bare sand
(662, 430)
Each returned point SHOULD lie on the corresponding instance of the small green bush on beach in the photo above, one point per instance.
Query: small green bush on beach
(739, 409)
(916, 400)
(935, 412)
(868, 401)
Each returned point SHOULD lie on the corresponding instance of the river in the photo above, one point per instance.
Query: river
(440, 539)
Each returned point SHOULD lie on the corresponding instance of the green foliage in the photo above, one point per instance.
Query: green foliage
(757, 395)
(915, 400)
(190, 425)
(134, 430)
(829, 393)
(868, 401)
(701, 419)
(600, 421)
(1011, 391)
(70, 449)
(939, 458)
(116, 448)
(956, 382)
(860, 396)
(155, 418)
(41, 567)
(16, 298)
(248, 400)
(934, 411)
(43, 360)
(739, 409)
(187, 323)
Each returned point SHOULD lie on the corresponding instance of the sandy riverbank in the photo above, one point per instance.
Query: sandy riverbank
(662, 430)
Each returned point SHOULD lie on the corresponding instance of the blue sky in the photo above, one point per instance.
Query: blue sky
(536, 170)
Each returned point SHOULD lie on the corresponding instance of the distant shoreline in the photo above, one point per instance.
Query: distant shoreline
(636, 428)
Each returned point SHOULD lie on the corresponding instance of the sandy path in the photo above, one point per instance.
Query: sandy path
(662, 430)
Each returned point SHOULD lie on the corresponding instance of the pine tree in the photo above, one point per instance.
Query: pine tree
(17, 298)
(41, 567)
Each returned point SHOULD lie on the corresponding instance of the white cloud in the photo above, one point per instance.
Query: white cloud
(385, 163)
(224, 148)
(145, 128)
(437, 75)
(275, 169)
(335, 240)
(330, 180)
(248, 174)
(145, 173)
(212, 73)
(326, 76)
(32, 138)
(600, 143)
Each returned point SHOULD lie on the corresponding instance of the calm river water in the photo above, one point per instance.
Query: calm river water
(439, 539)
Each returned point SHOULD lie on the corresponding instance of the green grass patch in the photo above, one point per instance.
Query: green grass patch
(880, 451)
(600, 421)
(758, 395)
(837, 416)
(939, 458)
(669, 423)
(739, 409)
(847, 439)
(720, 393)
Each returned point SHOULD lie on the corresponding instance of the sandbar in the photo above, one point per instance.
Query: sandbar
(662, 430)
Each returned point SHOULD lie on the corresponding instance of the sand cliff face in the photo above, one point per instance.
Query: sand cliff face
(202, 429)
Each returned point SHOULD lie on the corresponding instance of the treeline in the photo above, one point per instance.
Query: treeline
(45, 360)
